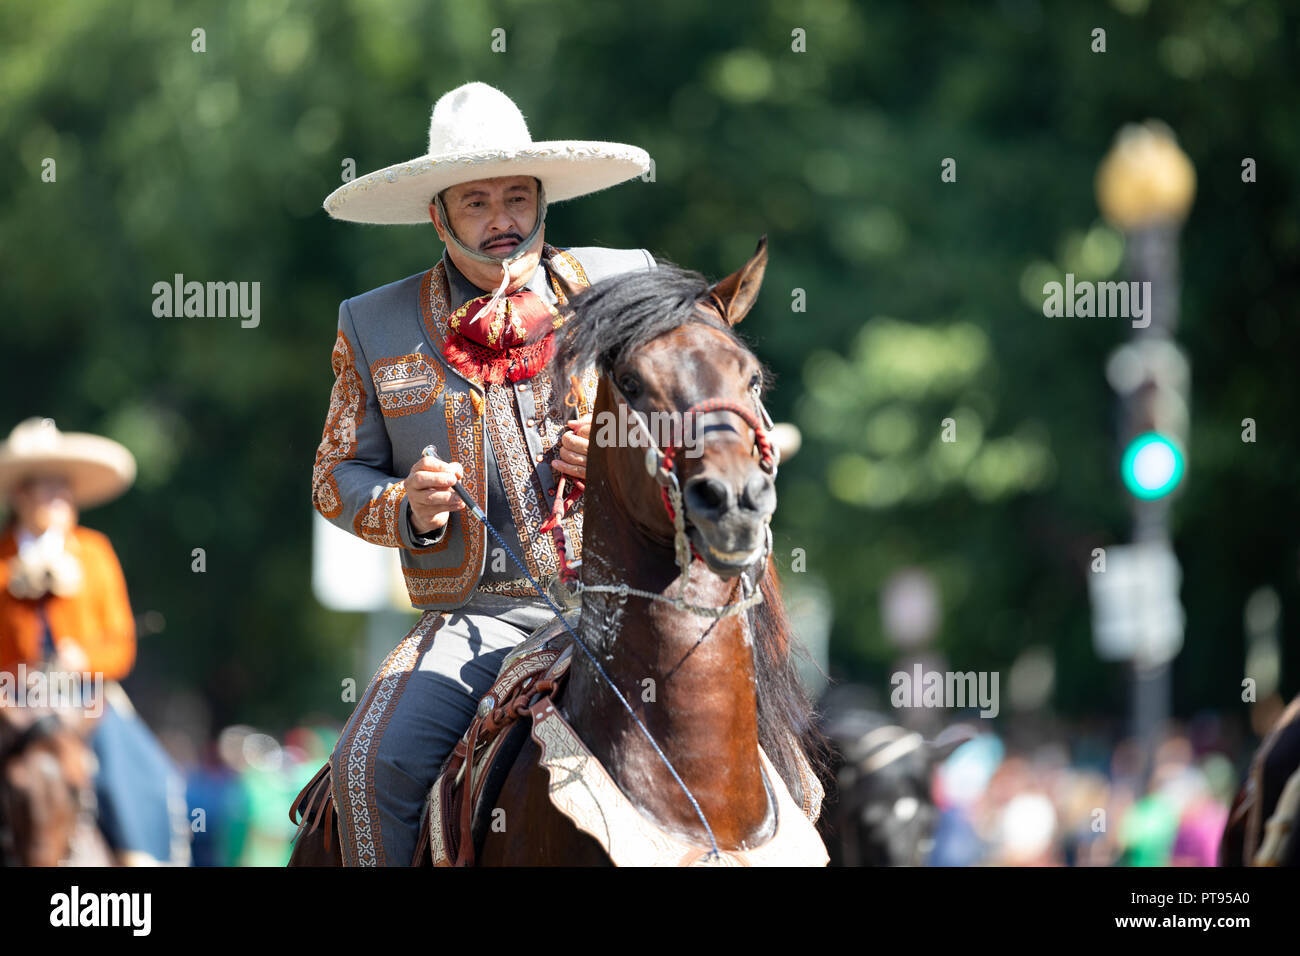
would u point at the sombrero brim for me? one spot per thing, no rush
(98, 469)
(400, 194)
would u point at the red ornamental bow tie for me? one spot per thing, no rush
(515, 319)
(507, 342)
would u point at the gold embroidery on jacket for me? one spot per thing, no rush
(406, 384)
(339, 441)
(465, 434)
(528, 506)
(377, 519)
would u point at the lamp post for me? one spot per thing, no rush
(1145, 186)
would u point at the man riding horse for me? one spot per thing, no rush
(65, 621)
(441, 377)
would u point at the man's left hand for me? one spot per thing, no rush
(572, 460)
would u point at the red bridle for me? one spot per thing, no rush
(666, 464)
(661, 465)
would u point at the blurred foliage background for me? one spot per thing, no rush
(923, 297)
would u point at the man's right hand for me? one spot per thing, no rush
(428, 489)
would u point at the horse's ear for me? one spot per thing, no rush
(734, 296)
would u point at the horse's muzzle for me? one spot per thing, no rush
(728, 520)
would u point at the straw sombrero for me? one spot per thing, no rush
(477, 132)
(98, 469)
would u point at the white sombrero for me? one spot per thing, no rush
(477, 132)
(98, 469)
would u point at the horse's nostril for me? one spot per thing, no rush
(758, 494)
(707, 495)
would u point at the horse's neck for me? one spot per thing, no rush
(689, 678)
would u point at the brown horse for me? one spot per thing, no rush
(664, 340)
(46, 791)
(709, 689)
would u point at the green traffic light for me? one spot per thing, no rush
(1152, 466)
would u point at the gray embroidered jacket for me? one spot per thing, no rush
(394, 393)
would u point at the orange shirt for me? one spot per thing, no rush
(97, 619)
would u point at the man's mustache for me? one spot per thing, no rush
(501, 238)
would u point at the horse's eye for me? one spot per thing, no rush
(756, 382)
(630, 385)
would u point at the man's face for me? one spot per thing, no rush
(492, 216)
(44, 501)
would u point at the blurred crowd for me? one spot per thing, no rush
(1084, 803)
(1076, 800)
(240, 789)
(998, 802)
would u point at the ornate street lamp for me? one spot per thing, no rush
(1145, 186)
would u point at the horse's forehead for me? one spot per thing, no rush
(694, 337)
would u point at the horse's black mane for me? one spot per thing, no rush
(606, 323)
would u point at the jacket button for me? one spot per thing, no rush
(523, 386)
(529, 423)
(539, 458)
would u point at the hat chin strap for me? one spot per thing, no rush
(486, 259)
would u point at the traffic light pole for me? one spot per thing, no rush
(1145, 186)
(1152, 255)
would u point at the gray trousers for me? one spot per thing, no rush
(416, 708)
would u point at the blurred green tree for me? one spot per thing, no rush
(921, 295)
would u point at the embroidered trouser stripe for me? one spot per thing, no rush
(354, 757)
